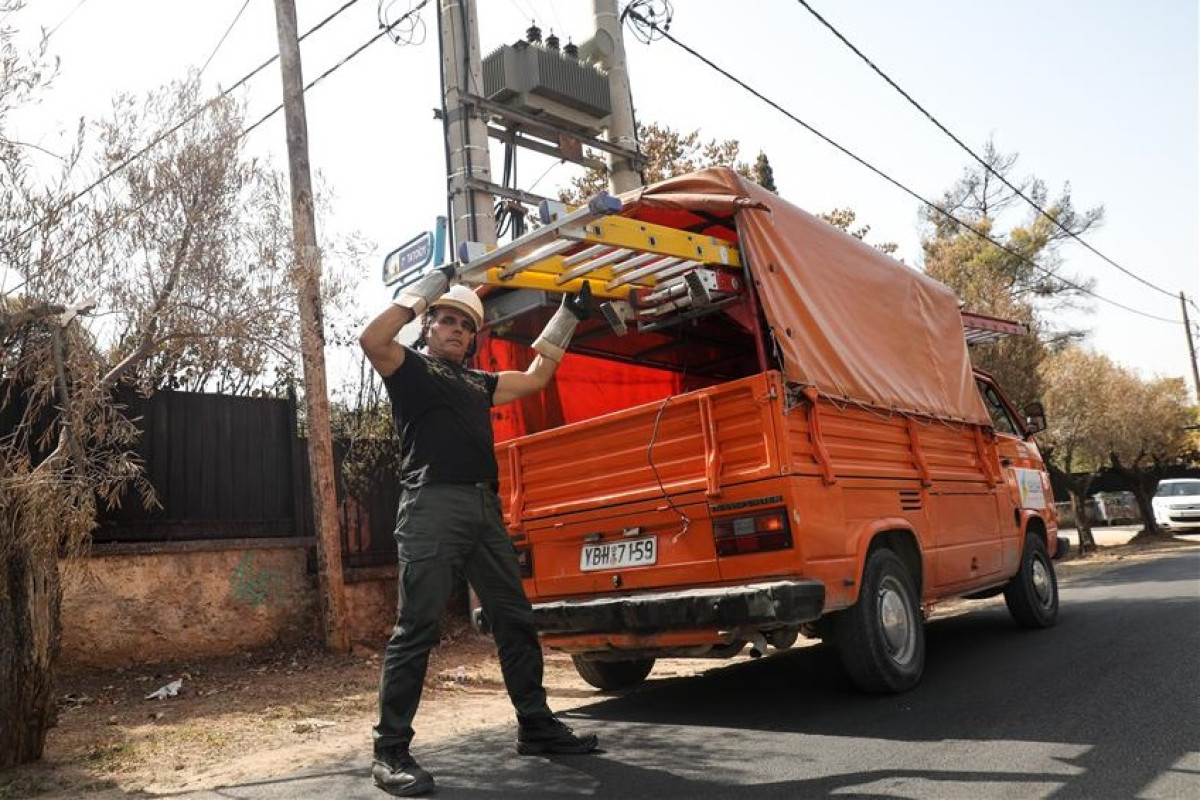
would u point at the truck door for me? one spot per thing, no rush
(1021, 466)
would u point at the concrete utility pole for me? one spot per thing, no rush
(474, 218)
(622, 177)
(1187, 331)
(312, 336)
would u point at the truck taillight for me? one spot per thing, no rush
(525, 561)
(752, 534)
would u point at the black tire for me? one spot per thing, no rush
(881, 638)
(1032, 594)
(609, 676)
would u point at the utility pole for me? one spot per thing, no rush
(474, 219)
(312, 336)
(1187, 331)
(622, 177)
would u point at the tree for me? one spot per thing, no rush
(183, 256)
(667, 153)
(1149, 435)
(1081, 394)
(1023, 280)
(1106, 417)
(199, 236)
(764, 176)
(843, 219)
(64, 447)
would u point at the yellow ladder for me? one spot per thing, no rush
(648, 272)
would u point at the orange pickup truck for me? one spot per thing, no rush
(789, 443)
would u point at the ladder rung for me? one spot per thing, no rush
(593, 265)
(586, 253)
(678, 269)
(652, 269)
(635, 262)
(540, 254)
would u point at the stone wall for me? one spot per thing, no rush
(142, 604)
(130, 604)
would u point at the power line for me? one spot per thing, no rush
(224, 36)
(661, 31)
(340, 64)
(63, 21)
(173, 129)
(972, 153)
(243, 134)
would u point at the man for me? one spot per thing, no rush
(449, 520)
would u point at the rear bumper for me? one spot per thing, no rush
(774, 603)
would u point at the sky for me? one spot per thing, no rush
(1098, 94)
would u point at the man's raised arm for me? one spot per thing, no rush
(551, 346)
(378, 339)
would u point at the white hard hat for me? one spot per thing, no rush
(461, 298)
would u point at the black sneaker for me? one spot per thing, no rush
(398, 773)
(537, 735)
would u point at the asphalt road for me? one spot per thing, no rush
(1106, 704)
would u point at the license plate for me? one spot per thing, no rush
(619, 554)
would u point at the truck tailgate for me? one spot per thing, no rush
(700, 440)
(636, 474)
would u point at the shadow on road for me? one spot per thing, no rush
(1103, 705)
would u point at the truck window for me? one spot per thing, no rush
(1002, 421)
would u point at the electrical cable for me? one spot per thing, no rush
(175, 128)
(972, 153)
(558, 163)
(63, 21)
(407, 35)
(245, 132)
(353, 54)
(224, 36)
(863, 162)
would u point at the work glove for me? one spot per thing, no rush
(430, 287)
(556, 336)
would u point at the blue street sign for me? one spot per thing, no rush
(408, 261)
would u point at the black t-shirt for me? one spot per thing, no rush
(442, 412)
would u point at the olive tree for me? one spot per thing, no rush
(1080, 399)
(175, 271)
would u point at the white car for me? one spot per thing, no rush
(1177, 503)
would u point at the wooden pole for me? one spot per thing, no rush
(307, 278)
(1187, 331)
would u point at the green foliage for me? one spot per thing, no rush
(1106, 417)
(1023, 281)
(668, 153)
(195, 258)
(764, 176)
(843, 219)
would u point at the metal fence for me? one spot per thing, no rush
(227, 467)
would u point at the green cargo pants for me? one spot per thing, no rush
(443, 529)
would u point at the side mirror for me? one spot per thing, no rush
(1035, 417)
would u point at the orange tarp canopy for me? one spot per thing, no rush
(853, 323)
(848, 320)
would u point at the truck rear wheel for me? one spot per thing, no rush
(609, 676)
(881, 638)
(1032, 594)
